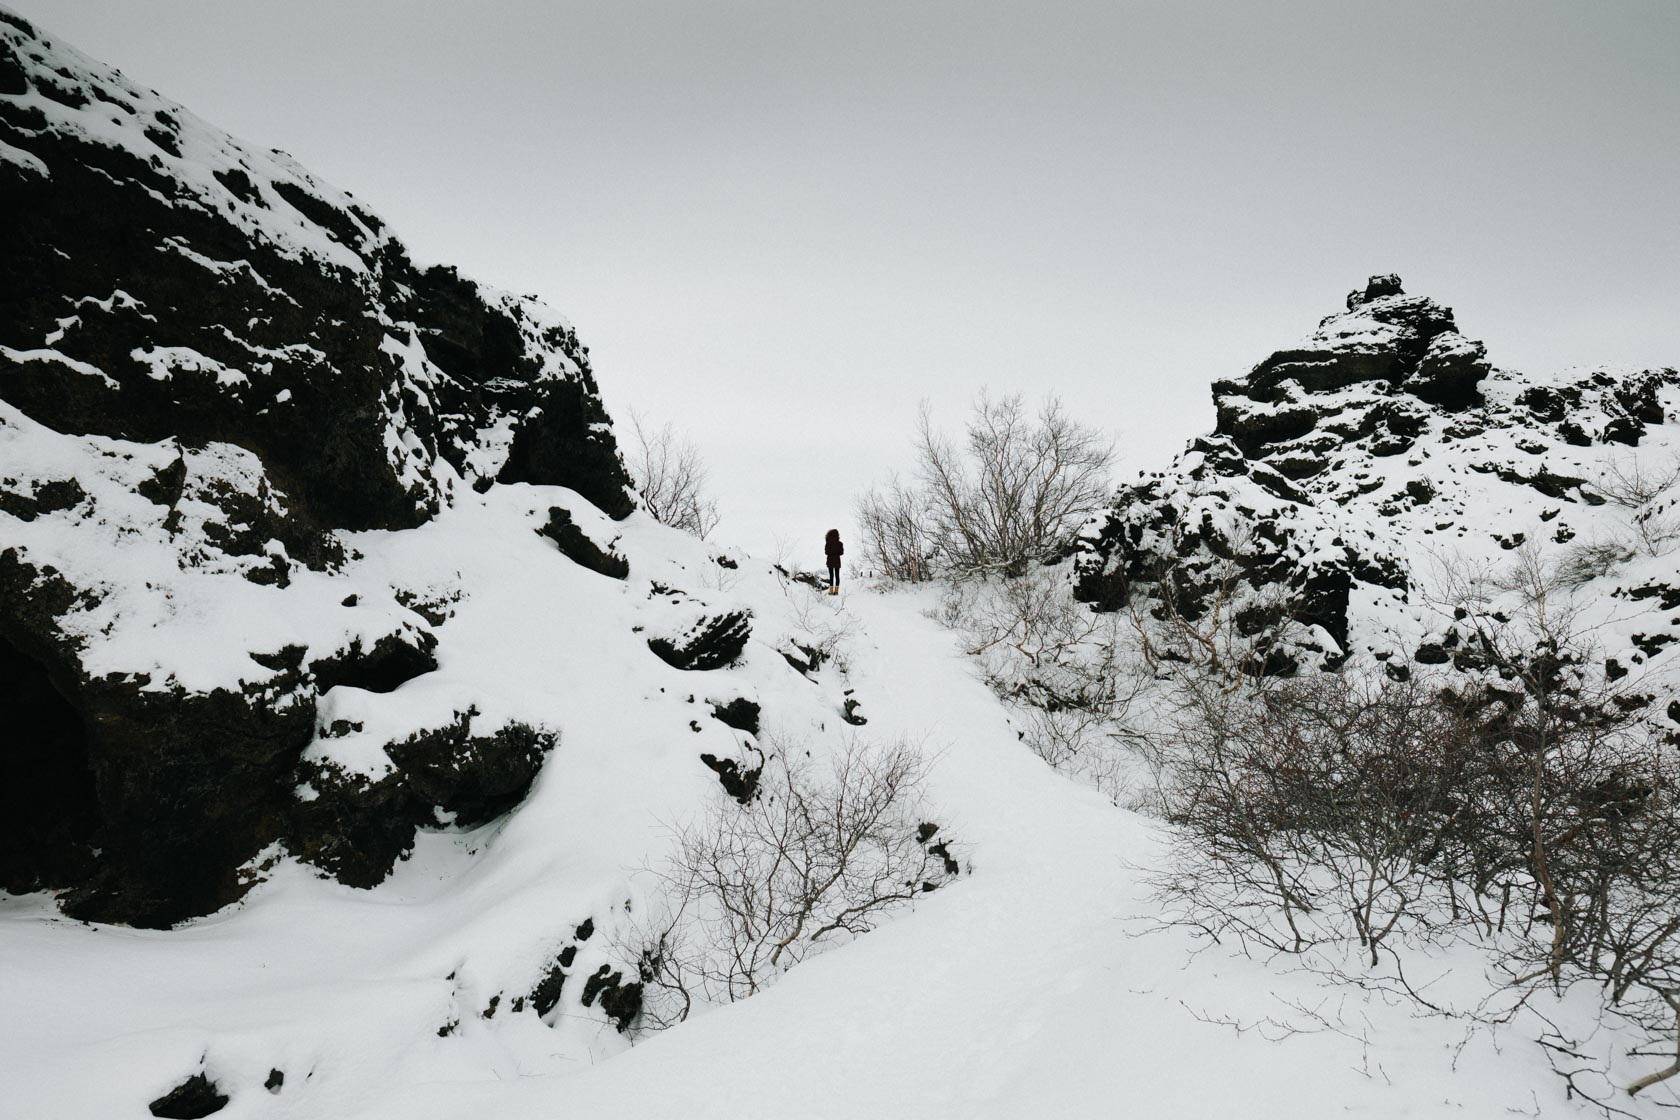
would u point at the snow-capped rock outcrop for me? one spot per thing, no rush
(1348, 472)
(212, 366)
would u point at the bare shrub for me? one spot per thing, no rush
(895, 524)
(1592, 560)
(812, 860)
(1522, 801)
(1020, 487)
(1069, 672)
(1011, 494)
(1311, 812)
(671, 478)
(1631, 481)
(1638, 485)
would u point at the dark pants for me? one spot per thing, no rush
(834, 575)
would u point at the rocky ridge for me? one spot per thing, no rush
(1353, 477)
(214, 368)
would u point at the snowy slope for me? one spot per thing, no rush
(314, 978)
(1035, 986)
(342, 657)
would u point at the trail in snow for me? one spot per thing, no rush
(1025, 989)
(1031, 987)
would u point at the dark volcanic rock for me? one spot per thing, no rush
(620, 1001)
(357, 828)
(1338, 468)
(351, 373)
(49, 806)
(1387, 344)
(740, 713)
(176, 823)
(243, 362)
(192, 1099)
(738, 780)
(576, 546)
(392, 661)
(714, 642)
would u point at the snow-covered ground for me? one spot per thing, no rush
(1036, 984)
(1039, 983)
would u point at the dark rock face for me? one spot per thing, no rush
(740, 713)
(1336, 469)
(350, 373)
(192, 1099)
(620, 1001)
(545, 997)
(714, 642)
(1405, 352)
(392, 661)
(576, 546)
(49, 807)
(737, 779)
(234, 361)
(176, 825)
(357, 828)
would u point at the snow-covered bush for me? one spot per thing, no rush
(1319, 810)
(1647, 489)
(813, 859)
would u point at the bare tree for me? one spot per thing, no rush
(1018, 488)
(1013, 493)
(752, 889)
(895, 524)
(671, 478)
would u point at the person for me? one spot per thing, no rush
(833, 548)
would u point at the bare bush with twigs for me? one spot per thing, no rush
(894, 521)
(1650, 493)
(1070, 673)
(1521, 802)
(671, 478)
(1011, 493)
(813, 860)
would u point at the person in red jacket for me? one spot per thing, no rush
(833, 548)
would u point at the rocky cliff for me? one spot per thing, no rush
(214, 366)
(1358, 481)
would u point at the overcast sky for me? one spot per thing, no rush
(781, 224)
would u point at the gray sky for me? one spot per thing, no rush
(782, 224)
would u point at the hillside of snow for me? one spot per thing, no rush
(356, 710)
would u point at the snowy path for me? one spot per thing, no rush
(1019, 992)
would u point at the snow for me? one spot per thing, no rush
(17, 157)
(74, 365)
(164, 362)
(1041, 983)
(1032, 986)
